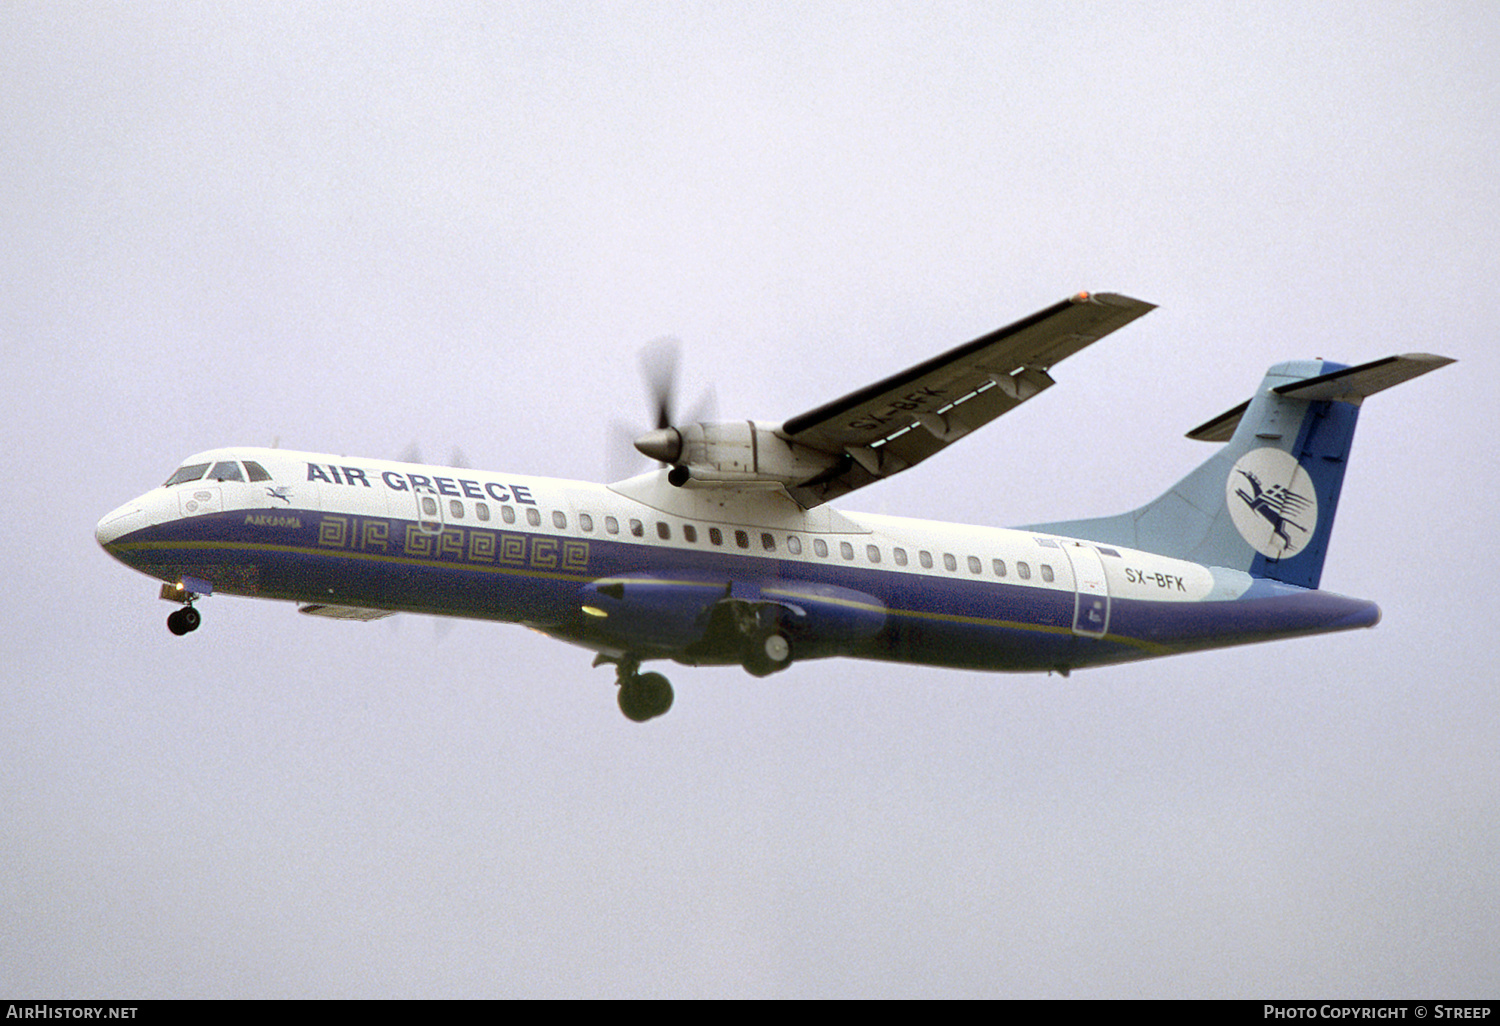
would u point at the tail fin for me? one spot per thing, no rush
(1265, 502)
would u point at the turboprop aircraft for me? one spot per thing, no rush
(729, 554)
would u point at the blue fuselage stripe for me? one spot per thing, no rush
(514, 575)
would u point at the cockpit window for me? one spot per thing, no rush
(255, 471)
(189, 473)
(226, 471)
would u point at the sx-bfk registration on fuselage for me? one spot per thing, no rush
(729, 554)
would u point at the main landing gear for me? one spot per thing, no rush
(767, 652)
(643, 696)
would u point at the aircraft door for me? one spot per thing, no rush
(429, 512)
(1091, 590)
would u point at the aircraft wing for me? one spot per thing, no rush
(896, 423)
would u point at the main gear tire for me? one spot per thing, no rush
(645, 696)
(768, 653)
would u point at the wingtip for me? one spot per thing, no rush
(1434, 360)
(1111, 299)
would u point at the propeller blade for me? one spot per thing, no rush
(413, 454)
(707, 409)
(621, 460)
(659, 366)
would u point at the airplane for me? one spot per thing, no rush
(729, 554)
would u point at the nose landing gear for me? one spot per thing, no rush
(184, 621)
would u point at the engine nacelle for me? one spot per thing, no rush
(738, 452)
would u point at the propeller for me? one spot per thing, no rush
(413, 454)
(659, 361)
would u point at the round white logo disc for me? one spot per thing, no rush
(1272, 502)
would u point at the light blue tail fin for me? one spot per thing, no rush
(1265, 502)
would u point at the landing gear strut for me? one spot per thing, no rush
(643, 696)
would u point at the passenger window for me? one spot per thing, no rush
(507, 514)
(1023, 571)
(742, 539)
(900, 555)
(1047, 572)
(611, 525)
(559, 520)
(768, 542)
(975, 566)
(873, 552)
(456, 509)
(534, 517)
(226, 471)
(716, 536)
(794, 544)
(999, 566)
(689, 532)
(637, 529)
(846, 550)
(255, 471)
(949, 563)
(925, 558)
(185, 474)
(482, 511)
(820, 548)
(663, 531)
(429, 505)
(585, 522)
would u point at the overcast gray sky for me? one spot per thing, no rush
(348, 227)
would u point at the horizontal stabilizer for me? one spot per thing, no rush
(1350, 385)
(1221, 428)
(1353, 384)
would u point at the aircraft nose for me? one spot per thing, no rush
(118, 523)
